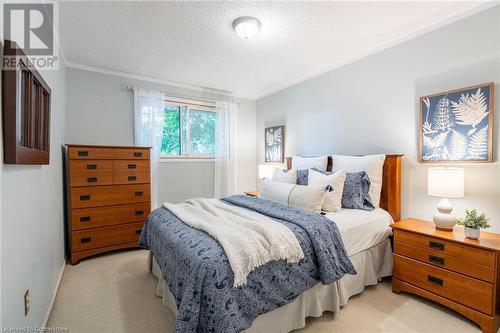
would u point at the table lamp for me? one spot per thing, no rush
(445, 183)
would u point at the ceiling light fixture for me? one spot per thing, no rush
(246, 27)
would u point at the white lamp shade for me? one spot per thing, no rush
(266, 171)
(446, 182)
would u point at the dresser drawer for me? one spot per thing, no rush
(132, 178)
(102, 237)
(473, 254)
(456, 287)
(87, 218)
(90, 172)
(459, 265)
(131, 172)
(124, 166)
(84, 197)
(90, 153)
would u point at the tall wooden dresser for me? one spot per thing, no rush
(108, 197)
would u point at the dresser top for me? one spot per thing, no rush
(103, 146)
(487, 240)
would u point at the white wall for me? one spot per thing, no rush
(100, 111)
(32, 223)
(371, 106)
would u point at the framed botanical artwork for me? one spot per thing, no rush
(275, 144)
(457, 125)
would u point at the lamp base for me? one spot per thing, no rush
(444, 220)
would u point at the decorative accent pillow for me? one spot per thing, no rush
(334, 181)
(285, 176)
(305, 197)
(302, 177)
(355, 194)
(303, 163)
(373, 165)
(275, 191)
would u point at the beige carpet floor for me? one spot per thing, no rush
(116, 293)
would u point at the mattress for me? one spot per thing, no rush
(361, 229)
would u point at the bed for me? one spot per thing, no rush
(366, 239)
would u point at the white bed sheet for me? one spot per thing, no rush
(361, 229)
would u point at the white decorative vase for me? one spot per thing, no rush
(471, 233)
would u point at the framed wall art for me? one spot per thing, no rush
(275, 144)
(457, 125)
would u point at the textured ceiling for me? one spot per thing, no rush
(193, 42)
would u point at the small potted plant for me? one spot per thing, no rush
(473, 222)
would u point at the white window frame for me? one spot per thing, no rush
(189, 104)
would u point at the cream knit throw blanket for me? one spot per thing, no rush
(249, 239)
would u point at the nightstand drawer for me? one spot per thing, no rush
(479, 271)
(473, 254)
(456, 287)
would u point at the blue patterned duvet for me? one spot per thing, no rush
(199, 276)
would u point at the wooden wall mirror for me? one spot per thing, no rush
(25, 110)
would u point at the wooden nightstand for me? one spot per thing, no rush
(447, 268)
(253, 193)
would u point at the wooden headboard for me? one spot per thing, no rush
(390, 197)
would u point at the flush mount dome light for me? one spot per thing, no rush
(246, 27)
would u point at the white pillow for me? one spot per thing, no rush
(298, 196)
(373, 165)
(289, 177)
(275, 191)
(303, 163)
(333, 199)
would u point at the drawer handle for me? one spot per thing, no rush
(91, 166)
(139, 212)
(435, 280)
(436, 260)
(138, 232)
(139, 194)
(92, 180)
(86, 240)
(131, 166)
(137, 154)
(132, 178)
(436, 245)
(85, 197)
(85, 219)
(83, 153)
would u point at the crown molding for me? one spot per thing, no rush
(482, 6)
(156, 80)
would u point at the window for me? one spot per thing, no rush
(188, 131)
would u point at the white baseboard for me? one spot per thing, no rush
(56, 289)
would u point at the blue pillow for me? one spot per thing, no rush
(303, 177)
(355, 194)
